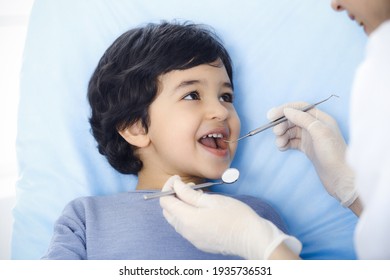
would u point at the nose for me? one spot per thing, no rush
(217, 110)
(336, 6)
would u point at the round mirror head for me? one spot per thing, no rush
(230, 175)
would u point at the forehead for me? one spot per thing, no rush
(202, 74)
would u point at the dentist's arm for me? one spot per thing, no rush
(316, 134)
(220, 224)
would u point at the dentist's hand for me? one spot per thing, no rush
(316, 134)
(220, 224)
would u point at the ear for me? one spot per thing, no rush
(135, 135)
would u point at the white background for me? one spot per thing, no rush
(14, 16)
(281, 270)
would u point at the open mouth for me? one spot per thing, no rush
(214, 141)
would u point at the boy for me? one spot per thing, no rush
(162, 104)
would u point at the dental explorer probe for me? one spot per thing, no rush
(229, 176)
(278, 121)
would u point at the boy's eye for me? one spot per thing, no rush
(192, 96)
(227, 97)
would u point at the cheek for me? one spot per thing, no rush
(235, 128)
(171, 126)
(235, 124)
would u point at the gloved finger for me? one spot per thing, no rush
(282, 143)
(186, 193)
(277, 112)
(291, 133)
(176, 214)
(191, 184)
(281, 128)
(302, 119)
(291, 139)
(169, 183)
(170, 202)
(291, 144)
(298, 117)
(174, 207)
(324, 117)
(169, 217)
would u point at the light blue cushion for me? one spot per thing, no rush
(284, 50)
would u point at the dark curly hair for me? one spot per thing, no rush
(125, 81)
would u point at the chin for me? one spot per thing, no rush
(216, 173)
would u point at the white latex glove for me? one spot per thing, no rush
(316, 134)
(220, 224)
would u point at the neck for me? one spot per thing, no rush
(150, 181)
(150, 178)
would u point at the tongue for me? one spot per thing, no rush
(214, 143)
(222, 144)
(209, 142)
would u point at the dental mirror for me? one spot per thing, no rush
(229, 176)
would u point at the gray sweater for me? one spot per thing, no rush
(125, 226)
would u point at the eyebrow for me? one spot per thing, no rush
(192, 82)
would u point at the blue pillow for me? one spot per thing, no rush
(286, 50)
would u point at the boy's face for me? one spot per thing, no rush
(367, 13)
(191, 115)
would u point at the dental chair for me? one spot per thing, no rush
(282, 51)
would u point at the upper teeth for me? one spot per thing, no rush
(215, 135)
